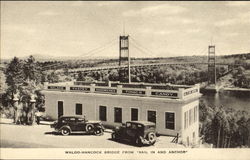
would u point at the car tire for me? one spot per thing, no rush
(65, 131)
(138, 142)
(151, 138)
(98, 132)
(114, 136)
(89, 127)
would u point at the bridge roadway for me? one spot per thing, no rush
(139, 66)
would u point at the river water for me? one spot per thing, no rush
(239, 100)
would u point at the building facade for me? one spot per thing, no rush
(173, 108)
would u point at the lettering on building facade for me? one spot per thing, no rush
(167, 94)
(57, 87)
(79, 89)
(190, 92)
(106, 90)
(133, 92)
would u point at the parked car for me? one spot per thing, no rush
(138, 132)
(43, 118)
(74, 124)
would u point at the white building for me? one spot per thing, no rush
(174, 108)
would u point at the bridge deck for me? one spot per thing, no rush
(138, 66)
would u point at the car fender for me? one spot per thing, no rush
(100, 127)
(65, 127)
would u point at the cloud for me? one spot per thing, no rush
(193, 30)
(156, 32)
(163, 32)
(241, 18)
(233, 34)
(238, 3)
(77, 3)
(109, 3)
(245, 15)
(178, 20)
(226, 22)
(157, 10)
(19, 28)
(244, 18)
(96, 3)
(48, 13)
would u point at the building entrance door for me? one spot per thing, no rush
(60, 108)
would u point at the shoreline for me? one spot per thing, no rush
(224, 89)
(235, 89)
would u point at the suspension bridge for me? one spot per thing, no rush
(124, 59)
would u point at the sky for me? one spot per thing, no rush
(156, 28)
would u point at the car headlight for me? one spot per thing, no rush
(117, 128)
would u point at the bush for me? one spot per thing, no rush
(7, 112)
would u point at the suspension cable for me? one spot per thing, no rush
(98, 48)
(141, 46)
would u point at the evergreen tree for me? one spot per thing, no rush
(14, 75)
(31, 70)
(224, 128)
(22, 78)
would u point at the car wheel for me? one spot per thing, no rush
(138, 142)
(151, 138)
(98, 132)
(65, 131)
(114, 136)
(89, 127)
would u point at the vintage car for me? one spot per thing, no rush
(138, 132)
(74, 124)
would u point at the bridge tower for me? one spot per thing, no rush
(124, 58)
(211, 65)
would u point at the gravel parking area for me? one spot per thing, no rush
(42, 136)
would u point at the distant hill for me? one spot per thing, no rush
(43, 58)
(241, 55)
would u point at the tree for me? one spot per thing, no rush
(14, 75)
(66, 70)
(40, 100)
(22, 78)
(225, 128)
(32, 72)
(53, 77)
(3, 85)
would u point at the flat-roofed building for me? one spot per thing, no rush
(174, 108)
